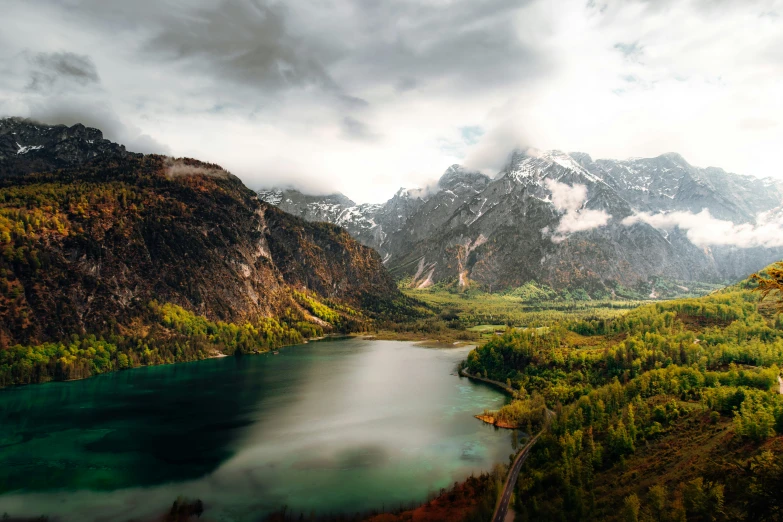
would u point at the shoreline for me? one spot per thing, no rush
(489, 419)
(436, 343)
(451, 336)
(427, 341)
(502, 386)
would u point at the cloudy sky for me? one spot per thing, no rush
(365, 96)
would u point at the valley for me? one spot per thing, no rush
(116, 265)
(383, 261)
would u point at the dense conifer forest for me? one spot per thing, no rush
(668, 412)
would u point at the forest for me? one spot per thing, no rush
(175, 335)
(668, 412)
(121, 262)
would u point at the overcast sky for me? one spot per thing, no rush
(365, 96)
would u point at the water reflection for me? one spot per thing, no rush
(326, 427)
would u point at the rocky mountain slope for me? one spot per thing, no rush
(505, 231)
(27, 146)
(90, 235)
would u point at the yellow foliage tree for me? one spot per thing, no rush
(771, 282)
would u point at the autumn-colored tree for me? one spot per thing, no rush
(771, 282)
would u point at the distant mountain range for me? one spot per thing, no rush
(91, 234)
(534, 222)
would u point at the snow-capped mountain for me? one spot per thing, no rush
(554, 217)
(359, 220)
(668, 182)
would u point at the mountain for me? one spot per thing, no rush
(96, 240)
(668, 183)
(333, 208)
(505, 231)
(27, 146)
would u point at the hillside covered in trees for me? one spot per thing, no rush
(669, 412)
(110, 260)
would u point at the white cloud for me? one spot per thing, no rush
(700, 81)
(704, 230)
(268, 91)
(576, 218)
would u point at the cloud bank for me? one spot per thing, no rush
(379, 97)
(571, 200)
(704, 230)
(50, 68)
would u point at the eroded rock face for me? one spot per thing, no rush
(110, 232)
(501, 232)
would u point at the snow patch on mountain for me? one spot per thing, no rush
(24, 149)
(532, 166)
(273, 197)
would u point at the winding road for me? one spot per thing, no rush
(505, 497)
(508, 488)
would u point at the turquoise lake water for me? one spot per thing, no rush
(328, 427)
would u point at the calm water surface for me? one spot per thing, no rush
(330, 427)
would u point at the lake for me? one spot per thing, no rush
(329, 427)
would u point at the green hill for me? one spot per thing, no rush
(669, 412)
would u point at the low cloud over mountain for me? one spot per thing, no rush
(571, 200)
(702, 229)
(566, 219)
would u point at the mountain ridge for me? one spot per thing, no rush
(506, 230)
(90, 234)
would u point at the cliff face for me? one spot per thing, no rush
(89, 240)
(325, 259)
